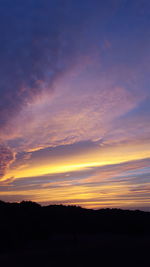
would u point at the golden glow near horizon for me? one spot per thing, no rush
(96, 158)
(99, 189)
(95, 191)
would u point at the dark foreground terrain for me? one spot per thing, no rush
(31, 235)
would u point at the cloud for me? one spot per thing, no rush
(7, 156)
(32, 53)
(41, 41)
(128, 173)
(71, 115)
(123, 185)
(49, 62)
(54, 88)
(74, 72)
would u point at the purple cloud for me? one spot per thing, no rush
(7, 156)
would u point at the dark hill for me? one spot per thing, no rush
(27, 227)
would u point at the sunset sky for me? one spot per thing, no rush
(75, 102)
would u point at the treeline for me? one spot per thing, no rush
(27, 222)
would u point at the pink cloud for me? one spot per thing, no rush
(7, 156)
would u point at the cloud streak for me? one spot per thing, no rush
(120, 185)
(7, 157)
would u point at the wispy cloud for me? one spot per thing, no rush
(121, 185)
(74, 101)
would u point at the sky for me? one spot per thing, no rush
(75, 102)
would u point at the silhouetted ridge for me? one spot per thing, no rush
(27, 222)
